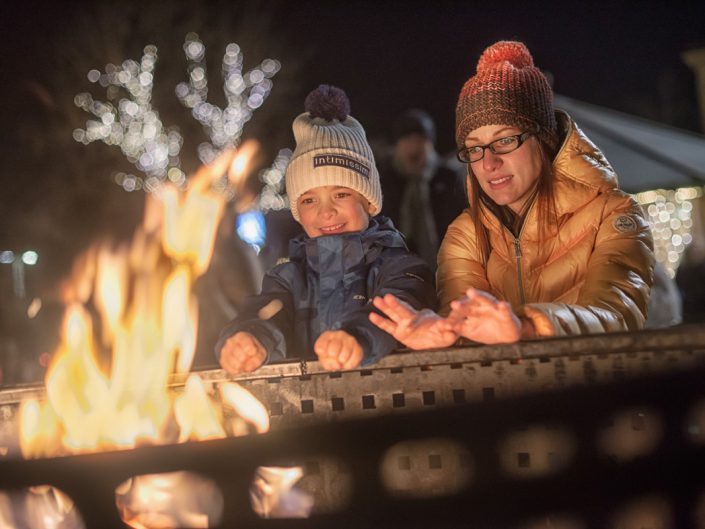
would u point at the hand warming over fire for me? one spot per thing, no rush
(338, 350)
(417, 329)
(242, 353)
(481, 317)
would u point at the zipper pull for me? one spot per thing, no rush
(517, 247)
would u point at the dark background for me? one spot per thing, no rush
(391, 55)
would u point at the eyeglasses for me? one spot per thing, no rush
(499, 146)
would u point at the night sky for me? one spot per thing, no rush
(390, 56)
(624, 55)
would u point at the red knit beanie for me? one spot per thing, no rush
(507, 90)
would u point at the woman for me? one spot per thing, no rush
(549, 245)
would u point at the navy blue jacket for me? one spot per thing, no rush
(328, 284)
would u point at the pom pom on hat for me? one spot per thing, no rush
(327, 102)
(515, 53)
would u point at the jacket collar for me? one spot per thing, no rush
(346, 250)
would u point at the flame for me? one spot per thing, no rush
(238, 166)
(194, 413)
(110, 293)
(107, 385)
(246, 406)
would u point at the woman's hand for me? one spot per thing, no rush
(481, 317)
(416, 329)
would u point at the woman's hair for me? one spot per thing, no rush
(544, 197)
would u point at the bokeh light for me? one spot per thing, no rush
(272, 196)
(251, 228)
(7, 256)
(128, 120)
(669, 214)
(30, 257)
(243, 92)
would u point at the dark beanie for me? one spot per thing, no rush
(507, 90)
(415, 121)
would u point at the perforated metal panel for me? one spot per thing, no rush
(304, 395)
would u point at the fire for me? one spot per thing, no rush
(107, 386)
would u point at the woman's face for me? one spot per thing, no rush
(507, 179)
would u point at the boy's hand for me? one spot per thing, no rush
(338, 350)
(242, 353)
(416, 329)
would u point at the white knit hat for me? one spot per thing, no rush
(331, 150)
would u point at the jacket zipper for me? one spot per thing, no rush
(517, 252)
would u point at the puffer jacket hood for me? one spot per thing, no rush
(581, 170)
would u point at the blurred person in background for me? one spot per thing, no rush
(665, 303)
(235, 272)
(281, 228)
(690, 278)
(422, 195)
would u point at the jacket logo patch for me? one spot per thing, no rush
(624, 223)
(339, 160)
(359, 297)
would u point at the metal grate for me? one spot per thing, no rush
(558, 426)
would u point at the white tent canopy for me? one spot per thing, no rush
(645, 154)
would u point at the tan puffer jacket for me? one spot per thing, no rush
(591, 273)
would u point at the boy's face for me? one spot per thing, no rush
(330, 210)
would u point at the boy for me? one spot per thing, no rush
(319, 301)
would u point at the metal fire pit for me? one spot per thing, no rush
(387, 446)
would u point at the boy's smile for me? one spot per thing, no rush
(331, 210)
(337, 228)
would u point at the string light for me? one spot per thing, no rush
(244, 93)
(669, 213)
(272, 196)
(128, 120)
(251, 225)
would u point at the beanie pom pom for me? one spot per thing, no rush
(328, 102)
(516, 53)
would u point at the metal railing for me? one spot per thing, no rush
(580, 431)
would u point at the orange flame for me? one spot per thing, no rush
(107, 384)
